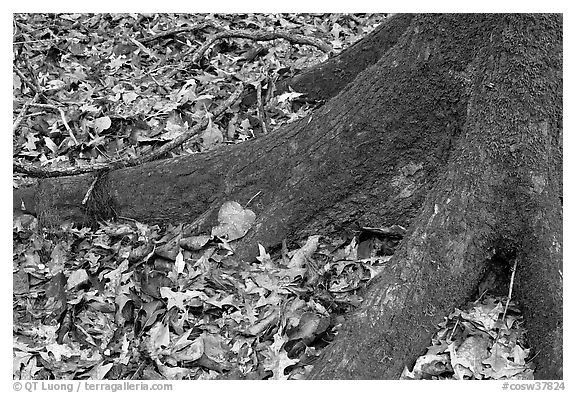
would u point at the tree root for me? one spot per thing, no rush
(260, 36)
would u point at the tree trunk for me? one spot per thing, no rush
(500, 194)
(456, 132)
(327, 79)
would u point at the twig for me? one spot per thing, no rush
(23, 111)
(34, 78)
(270, 92)
(454, 330)
(260, 108)
(173, 72)
(89, 191)
(35, 171)
(140, 367)
(260, 36)
(180, 139)
(510, 288)
(532, 358)
(33, 114)
(247, 203)
(175, 31)
(31, 85)
(34, 41)
(62, 116)
(143, 48)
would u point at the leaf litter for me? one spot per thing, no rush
(132, 301)
(121, 85)
(477, 343)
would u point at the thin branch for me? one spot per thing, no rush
(180, 139)
(35, 171)
(260, 108)
(510, 288)
(247, 203)
(271, 90)
(23, 112)
(89, 192)
(34, 78)
(23, 78)
(175, 31)
(34, 41)
(34, 114)
(62, 116)
(260, 36)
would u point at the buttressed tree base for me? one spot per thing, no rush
(450, 125)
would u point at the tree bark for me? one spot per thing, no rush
(499, 194)
(455, 131)
(327, 79)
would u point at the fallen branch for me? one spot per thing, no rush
(175, 31)
(260, 36)
(260, 108)
(180, 139)
(35, 171)
(34, 41)
(23, 111)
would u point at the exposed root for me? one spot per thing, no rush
(176, 31)
(260, 36)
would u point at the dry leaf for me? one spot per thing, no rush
(299, 258)
(234, 221)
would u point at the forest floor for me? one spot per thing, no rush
(126, 300)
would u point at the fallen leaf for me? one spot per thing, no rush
(100, 371)
(77, 278)
(51, 145)
(179, 263)
(310, 326)
(299, 258)
(288, 96)
(277, 359)
(234, 221)
(57, 259)
(174, 373)
(194, 243)
(430, 365)
(467, 360)
(192, 352)
(212, 136)
(263, 256)
(21, 283)
(159, 337)
(102, 123)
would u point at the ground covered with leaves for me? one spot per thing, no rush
(117, 86)
(125, 300)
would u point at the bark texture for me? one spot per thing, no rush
(327, 79)
(455, 130)
(500, 194)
